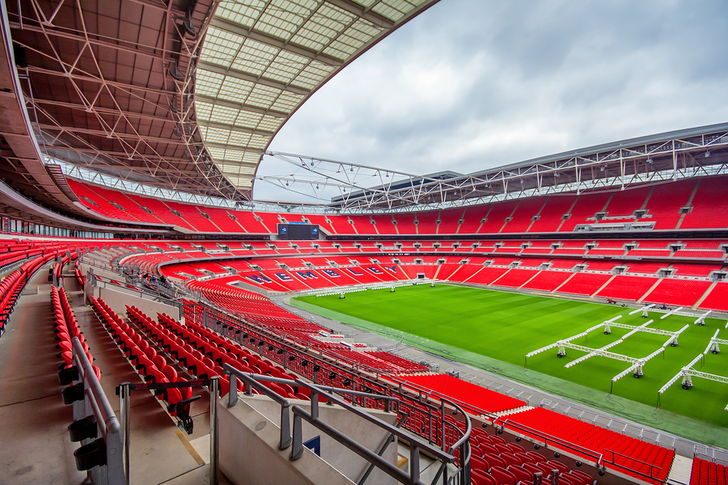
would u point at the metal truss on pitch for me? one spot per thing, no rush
(637, 364)
(688, 372)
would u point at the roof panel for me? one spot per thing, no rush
(262, 59)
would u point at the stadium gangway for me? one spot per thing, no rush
(293, 436)
(124, 391)
(101, 458)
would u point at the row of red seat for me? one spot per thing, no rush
(475, 398)
(661, 204)
(706, 472)
(12, 285)
(653, 462)
(66, 328)
(495, 462)
(151, 365)
(651, 289)
(203, 352)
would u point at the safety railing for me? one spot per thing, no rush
(125, 390)
(292, 436)
(319, 368)
(609, 458)
(101, 457)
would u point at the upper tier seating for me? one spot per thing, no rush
(660, 204)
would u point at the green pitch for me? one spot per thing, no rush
(494, 330)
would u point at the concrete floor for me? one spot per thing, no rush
(33, 419)
(36, 448)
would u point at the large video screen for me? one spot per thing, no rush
(293, 232)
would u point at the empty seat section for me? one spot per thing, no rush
(666, 201)
(516, 277)
(547, 280)
(449, 221)
(657, 459)
(710, 205)
(587, 205)
(496, 218)
(487, 275)
(406, 223)
(383, 225)
(322, 221)
(705, 472)
(688, 269)
(472, 395)
(717, 299)
(524, 215)
(269, 221)
(552, 214)
(625, 202)
(427, 222)
(472, 218)
(584, 283)
(677, 292)
(627, 287)
(223, 219)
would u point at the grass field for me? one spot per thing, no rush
(463, 323)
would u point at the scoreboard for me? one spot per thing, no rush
(293, 232)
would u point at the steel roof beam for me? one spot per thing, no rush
(271, 83)
(109, 134)
(277, 42)
(235, 128)
(241, 106)
(356, 9)
(92, 79)
(106, 111)
(131, 49)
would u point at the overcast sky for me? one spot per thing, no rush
(472, 84)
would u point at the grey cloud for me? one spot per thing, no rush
(474, 83)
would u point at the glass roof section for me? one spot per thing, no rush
(261, 59)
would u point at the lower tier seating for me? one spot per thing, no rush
(652, 462)
(706, 472)
(468, 394)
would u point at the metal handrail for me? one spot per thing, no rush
(107, 422)
(327, 392)
(100, 402)
(612, 462)
(546, 438)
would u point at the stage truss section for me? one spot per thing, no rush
(688, 372)
(637, 363)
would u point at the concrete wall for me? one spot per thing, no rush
(119, 298)
(249, 454)
(341, 458)
(249, 438)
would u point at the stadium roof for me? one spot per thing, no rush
(262, 59)
(178, 94)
